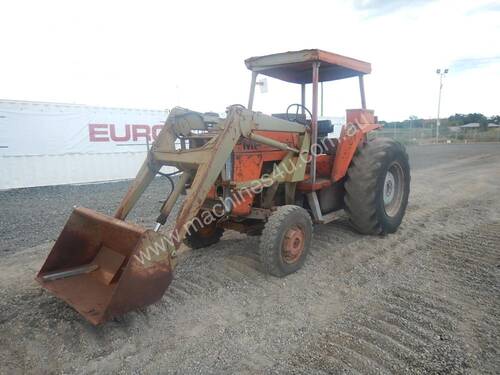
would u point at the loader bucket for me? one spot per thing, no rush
(104, 267)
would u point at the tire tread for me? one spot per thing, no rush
(361, 184)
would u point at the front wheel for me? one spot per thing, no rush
(285, 240)
(378, 186)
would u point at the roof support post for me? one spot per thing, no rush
(303, 97)
(252, 90)
(321, 99)
(362, 91)
(314, 120)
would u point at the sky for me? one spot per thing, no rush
(158, 54)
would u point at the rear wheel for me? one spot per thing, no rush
(285, 240)
(377, 187)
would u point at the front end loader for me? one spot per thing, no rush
(272, 176)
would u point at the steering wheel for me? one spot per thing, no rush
(296, 118)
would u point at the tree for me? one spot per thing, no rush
(483, 124)
(495, 119)
(456, 120)
(475, 117)
(459, 119)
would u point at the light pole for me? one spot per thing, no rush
(441, 73)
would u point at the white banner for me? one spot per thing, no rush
(32, 128)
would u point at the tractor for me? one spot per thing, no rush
(275, 176)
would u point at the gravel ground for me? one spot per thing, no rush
(423, 300)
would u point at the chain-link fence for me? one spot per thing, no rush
(407, 135)
(428, 135)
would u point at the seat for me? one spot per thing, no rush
(324, 127)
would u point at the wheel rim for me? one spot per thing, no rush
(393, 189)
(207, 231)
(293, 244)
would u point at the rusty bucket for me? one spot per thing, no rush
(104, 267)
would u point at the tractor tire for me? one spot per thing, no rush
(285, 240)
(377, 187)
(203, 237)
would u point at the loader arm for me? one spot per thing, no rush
(202, 165)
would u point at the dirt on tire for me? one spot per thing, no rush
(422, 300)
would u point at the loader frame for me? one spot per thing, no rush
(200, 167)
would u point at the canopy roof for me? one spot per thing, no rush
(296, 66)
